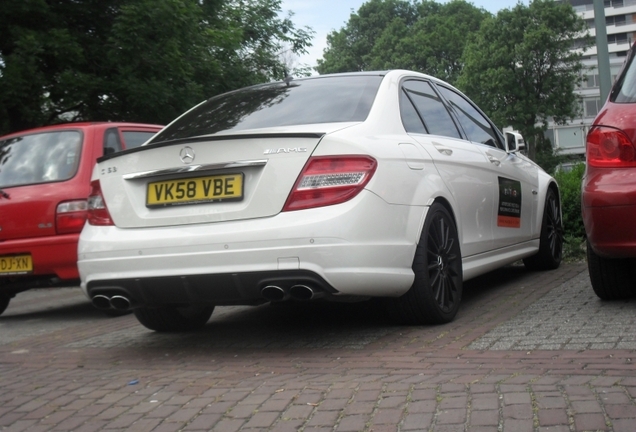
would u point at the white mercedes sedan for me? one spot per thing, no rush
(333, 188)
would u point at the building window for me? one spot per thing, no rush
(592, 81)
(592, 107)
(617, 38)
(571, 137)
(613, 3)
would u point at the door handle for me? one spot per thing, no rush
(443, 150)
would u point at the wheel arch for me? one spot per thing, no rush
(447, 204)
(546, 183)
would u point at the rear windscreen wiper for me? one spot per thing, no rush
(4, 194)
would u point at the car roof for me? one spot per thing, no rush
(78, 125)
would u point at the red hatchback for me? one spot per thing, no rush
(609, 190)
(44, 183)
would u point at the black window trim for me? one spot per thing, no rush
(498, 133)
(460, 130)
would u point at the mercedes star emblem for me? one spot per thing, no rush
(187, 155)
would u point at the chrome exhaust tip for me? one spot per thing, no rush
(120, 303)
(274, 293)
(101, 302)
(304, 293)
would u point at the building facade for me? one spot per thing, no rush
(620, 22)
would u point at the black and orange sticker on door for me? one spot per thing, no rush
(509, 211)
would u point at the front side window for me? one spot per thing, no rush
(432, 110)
(300, 102)
(476, 126)
(39, 158)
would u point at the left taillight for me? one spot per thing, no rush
(329, 180)
(97, 211)
(610, 148)
(70, 216)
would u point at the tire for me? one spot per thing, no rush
(174, 319)
(551, 241)
(4, 302)
(612, 279)
(436, 292)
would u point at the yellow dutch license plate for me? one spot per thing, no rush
(195, 190)
(16, 264)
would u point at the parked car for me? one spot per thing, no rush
(44, 184)
(336, 187)
(608, 190)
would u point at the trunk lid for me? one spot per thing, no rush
(205, 179)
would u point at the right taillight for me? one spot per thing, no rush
(329, 180)
(610, 148)
(97, 211)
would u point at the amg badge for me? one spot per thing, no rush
(286, 150)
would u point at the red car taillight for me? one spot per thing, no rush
(97, 211)
(328, 180)
(70, 216)
(610, 148)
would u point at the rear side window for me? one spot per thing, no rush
(410, 118)
(432, 110)
(112, 142)
(39, 158)
(136, 138)
(299, 102)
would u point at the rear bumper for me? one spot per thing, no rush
(54, 261)
(609, 212)
(611, 231)
(218, 289)
(364, 247)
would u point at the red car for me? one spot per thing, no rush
(609, 190)
(44, 183)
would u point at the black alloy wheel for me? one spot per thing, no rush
(436, 293)
(551, 241)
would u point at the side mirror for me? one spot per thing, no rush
(514, 142)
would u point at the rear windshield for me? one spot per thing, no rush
(39, 158)
(304, 101)
(625, 89)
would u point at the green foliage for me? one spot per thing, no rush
(545, 156)
(134, 60)
(399, 34)
(570, 187)
(520, 68)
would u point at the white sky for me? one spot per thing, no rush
(324, 16)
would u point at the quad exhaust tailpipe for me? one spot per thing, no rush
(101, 302)
(120, 303)
(274, 293)
(304, 293)
(298, 292)
(117, 302)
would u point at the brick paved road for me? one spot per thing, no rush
(527, 352)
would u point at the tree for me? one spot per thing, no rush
(521, 70)
(134, 60)
(424, 36)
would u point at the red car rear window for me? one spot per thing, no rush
(624, 90)
(39, 158)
